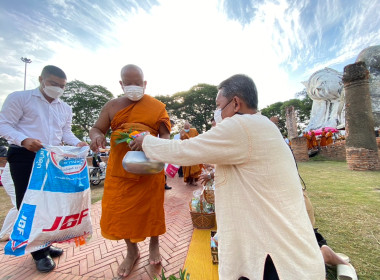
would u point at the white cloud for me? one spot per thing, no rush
(181, 43)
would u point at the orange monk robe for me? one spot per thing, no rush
(133, 205)
(308, 137)
(193, 171)
(323, 139)
(329, 138)
(314, 142)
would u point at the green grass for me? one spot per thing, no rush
(346, 205)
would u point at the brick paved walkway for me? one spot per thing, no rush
(100, 258)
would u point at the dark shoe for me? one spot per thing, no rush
(55, 252)
(45, 264)
(167, 187)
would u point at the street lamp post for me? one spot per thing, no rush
(26, 60)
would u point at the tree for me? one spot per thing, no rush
(86, 102)
(302, 106)
(275, 110)
(196, 105)
(3, 142)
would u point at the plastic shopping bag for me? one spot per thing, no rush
(171, 169)
(56, 205)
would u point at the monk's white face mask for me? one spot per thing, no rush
(134, 93)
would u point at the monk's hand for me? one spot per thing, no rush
(82, 144)
(136, 145)
(98, 142)
(32, 144)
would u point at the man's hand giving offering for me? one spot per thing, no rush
(136, 144)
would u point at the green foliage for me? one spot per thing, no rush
(86, 102)
(196, 105)
(128, 136)
(302, 106)
(274, 110)
(182, 276)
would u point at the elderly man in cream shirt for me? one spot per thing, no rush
(263, 228)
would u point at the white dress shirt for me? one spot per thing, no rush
(27, 114)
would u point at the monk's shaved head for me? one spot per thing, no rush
(187, 125)
(132, 75)
(131, 67)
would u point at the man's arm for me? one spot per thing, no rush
(228, 141)
(10, 115)
(68, 136)
(100, 128)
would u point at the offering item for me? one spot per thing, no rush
(136, 162)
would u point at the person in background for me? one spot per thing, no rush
(177, 136)
(329, 137)
(308, 138)
(286, 140)
(11, 217)
(132, 204)
(96, 159)
(263, 228)
(190, 173)
(28, 120)
(314, 142)
(323, 141)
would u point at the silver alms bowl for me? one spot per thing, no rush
(136, 162)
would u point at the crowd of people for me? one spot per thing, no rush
(317, 141)
(264, 229)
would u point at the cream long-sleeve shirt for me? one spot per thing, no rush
(260, 209)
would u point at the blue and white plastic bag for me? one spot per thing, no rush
(56, 205)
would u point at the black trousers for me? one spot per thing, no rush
(180, 172)
(270, 272)
(20, 164)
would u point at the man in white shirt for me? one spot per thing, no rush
(28, 120)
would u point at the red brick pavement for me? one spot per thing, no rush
(100, 258)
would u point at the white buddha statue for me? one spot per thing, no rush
(325, 88)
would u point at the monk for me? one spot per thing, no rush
(314, 142)
(308, 138)
(329, 137)
(132, 205)
(323, 142)
(190, 173)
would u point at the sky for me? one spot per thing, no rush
(181, 43)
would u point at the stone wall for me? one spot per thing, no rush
(336, 151)
(362, 159)
(299, 148)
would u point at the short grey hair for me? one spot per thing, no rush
(241, 86)
(53, 70)
(130, 66)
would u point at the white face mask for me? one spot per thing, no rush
(218, 116)
(134, 93)
(53, 92)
